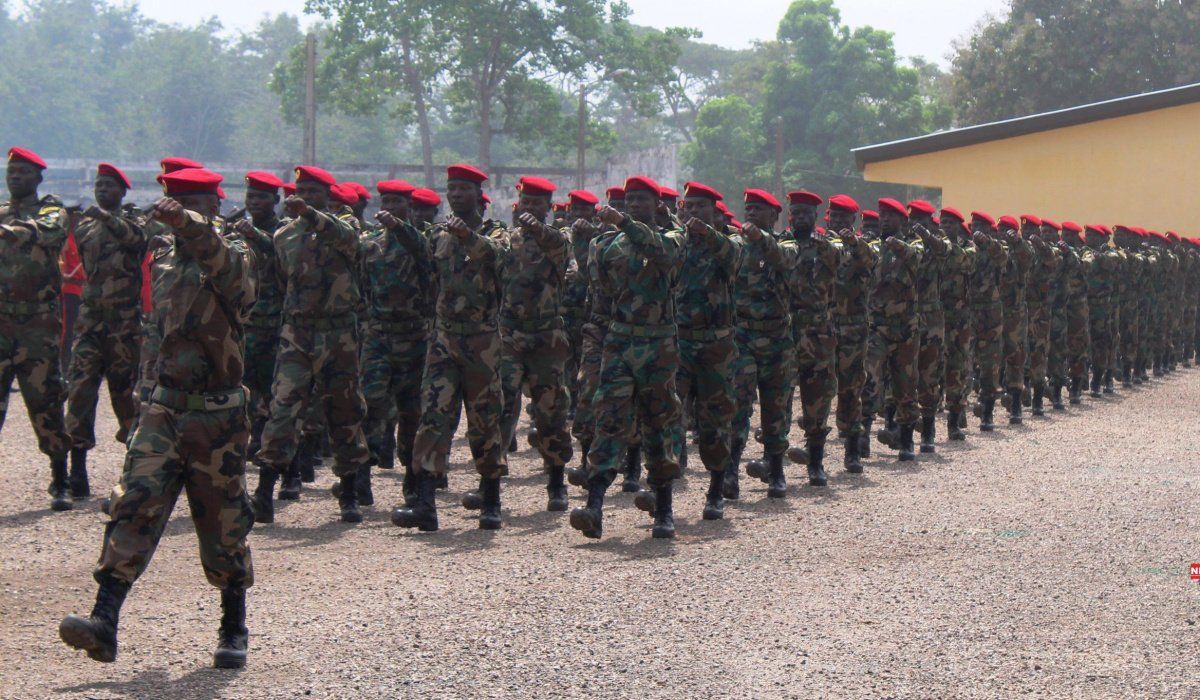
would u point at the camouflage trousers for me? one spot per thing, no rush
(103, 350)
(705, 384)
(29, 351)
(262, 344)
(1016, 336)
(316, 369)
(960, 339)
(537, 359)
(1129, 333)
(851, 375)
(1114, 334)
(392, 366)
(170, 451)
(637, 391)
(816, 377)
(763, 372)
(573, 325)
(1146, 312)
(1039, 344)
(931, 362)
(989, 347)
(1100, 331)
(591, 352)
(462, 371)
(892, 362)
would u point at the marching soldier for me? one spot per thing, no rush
(931, 366)
(425, 207)
(1038, 291)
(851, 309)
(957, 272)
(1103, 263)
(987, 313)
(1016, 316)
(581, 206)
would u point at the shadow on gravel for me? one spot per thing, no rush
(27, 517)
(201, 683)
(534, 523)
(461, 537)
(631, 549)
(291, 537)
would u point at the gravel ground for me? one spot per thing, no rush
(1049, 559)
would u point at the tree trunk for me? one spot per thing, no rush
(485, 131)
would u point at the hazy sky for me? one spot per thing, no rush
(922, 27)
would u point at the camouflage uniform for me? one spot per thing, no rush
(637, 271)
(192, 435)
(707, 349)
(397, 277)
(1067, 360)
(575, 312)
(988, 314)
(262, 327)
(108, 329)
(851, 299)
(318, 344)
(931, 363)
(464, 352)
(816, 262)
(1132, 276)
(1102, 267)
(1016, 315)
(32, 235)
(957, 274)
(535, 346)
(892, 346)
(1038, 292)
(592, 347)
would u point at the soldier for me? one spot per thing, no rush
(1103, 262)
(931, 365)
(33, 231)
(1131, 276)
(616, 198)
(461, 366)
(870, 224)
(192, 434)
(957, 272)
(1077, 312)
(987, 313)
(895, 327)
(535, 348)
(1016, 316)
(765, 365)
(426, 205)
(262, 327)
(851, 299)
(362, 200)
(638, 270)
(107, 332)
(317, 363)
(397, 276)
(1039, 288)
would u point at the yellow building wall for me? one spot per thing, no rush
(1140, 170)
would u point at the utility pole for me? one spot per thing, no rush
(310, 98)
(580, 136)
(779, 157)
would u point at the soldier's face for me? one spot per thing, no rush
(203, 204)
(580, 210)
(463, 198)
(537, 205)
(618, 204)
(700, 208)
(841, 219)
(424, 215)
(672, 204)
(314, 194)
(890, 221)
(761, 215)
(1095, 240)
(108, 192)
(802, 217)
(23, 179)
(641, 205)
(870, 228)
(261, 204)
(395, 204)
(359, 207)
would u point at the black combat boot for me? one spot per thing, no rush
(423, 513)
(633, 470)
(1056, 399)
(409, 486)
(795, 455)
(758, 469)
(864, 438)
(97, 634)
(816, 461)
(60, 492)
(1076, 396)
(264, 495)
(928, 434)
(714, 501)
(362, 484)
(489, 514)
(307, 464)
(386, 459)
(589, 519)
(1109, 387)
(907, 454)
(1038, 408)
(577, 476)
(512, 443)
(731, 489)
(232, 637)
(473, 499)
(348, 499)
(289, 487)
(1097, 384)
(1127, 376)
(888, 433)
(1014, 407)
(556, 490)
(776, 479)
(954, 430)
(532, 437)
(80, 488)
(987, 410)
(664, 518)
(853, 460)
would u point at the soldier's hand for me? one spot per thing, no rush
(752, 232)
(530, 223)
(847, 235)
(388, 219)
(457, 227)
(611, 216)
(895, 244)
(295, 207)
(583, 227)
(662, 209)
(696, 227)
(95, 212)
(980, 238)
(244, 227)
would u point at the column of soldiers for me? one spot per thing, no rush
(627, 324)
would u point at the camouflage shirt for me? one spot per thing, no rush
(957, 273)
(895, 296)
(575, 284)
(32, 235)
(929, 273)
(760, 292)
(704, 296)
(1016, 273)
(991, 258)
(1103, 265)
(318, 264)
(816, 263)
(533, 271)
(112, 253)
(599, 306)
(638, 270)
(397, 276)
(855, 278)
(1045, 266)
(268, 284)
(467, 275)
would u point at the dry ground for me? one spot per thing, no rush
(1046, 560)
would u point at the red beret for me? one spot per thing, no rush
(699, 189)
(191, 181)
(1173, 236)
(893, 205)
(843, 202)
(289, 189)
(643, 183)
(1122, 228)
(537, 186)
(344, 193)
(870, 215)
(1052, 224)
(735, 223)
(261, 180)
(360, 189)
(470, 173)
(805, 197)
(423, 197)
(762, 197)
(24, 155)
(952, 213)
(486, 199)
(984, 216)
(403, 187)
(1098, 228)
(1031, 220)
(615, 193)
(582, 197)
(668, 193)
(1072, 226)
(312, 172)
(220, 193)
(723, 208)
(920, 206)
(113, 171)
(173, 163)
(821, 231)
(1009, 221)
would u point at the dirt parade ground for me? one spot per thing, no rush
(1049, 560)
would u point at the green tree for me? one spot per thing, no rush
(728, 146)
